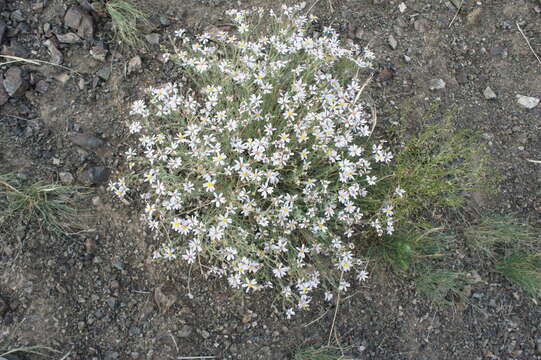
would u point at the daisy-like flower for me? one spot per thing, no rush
(250, 285)
(169, 253)
(209, 185)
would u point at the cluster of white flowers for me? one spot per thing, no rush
(260, 167)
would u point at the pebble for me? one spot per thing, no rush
(436, 84)
(111, 302)
(66, 178)
(99, 53)
(56, 55)
(78, 19)
(392, 42)
(489, 93)
(105, 72)
(153, 38)
(68, 38)
(42, 86)
(15, 82)
(135, 64)
(528, 102)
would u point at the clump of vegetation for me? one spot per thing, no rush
(48, 205)
(514, 248)
(263, 166)
(524, 270)
(127, 18)
(442, 287)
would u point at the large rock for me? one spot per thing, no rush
(15, 82)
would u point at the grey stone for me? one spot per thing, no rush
(68, 38)
(17, 16)
(153, 38)
(15, 82)
(56, 55)
(99, 53)
(436, 84)
(489, 93)
(78, 19)
(135, 64)
(392, 42)
(66, 178)
(105, 72)
(528, 102)
(42, 86)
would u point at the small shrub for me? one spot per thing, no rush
(49, 205)
(263, 166)
(125, 17)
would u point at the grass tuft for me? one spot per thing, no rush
(50, 205)
(126, 16)
(323, 353)
(524, 270)
(442, 287)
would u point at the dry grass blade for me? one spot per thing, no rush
(125, 16)
(528, 42)
(16, 59)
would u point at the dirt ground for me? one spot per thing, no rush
(92, 295)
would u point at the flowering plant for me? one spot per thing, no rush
(262, 166)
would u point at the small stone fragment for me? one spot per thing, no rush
(78, 19)
(73, 17)
(15, 82)
(99, 53)
(489, 93)
(392, 42)
(402, 7)
(62, 78)
(42, 86)
(153, 38)
(135, 65)
(105, 72)
(436, 84)
(68, 38)
(66, 178)
(56, 55)
(528, 102)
